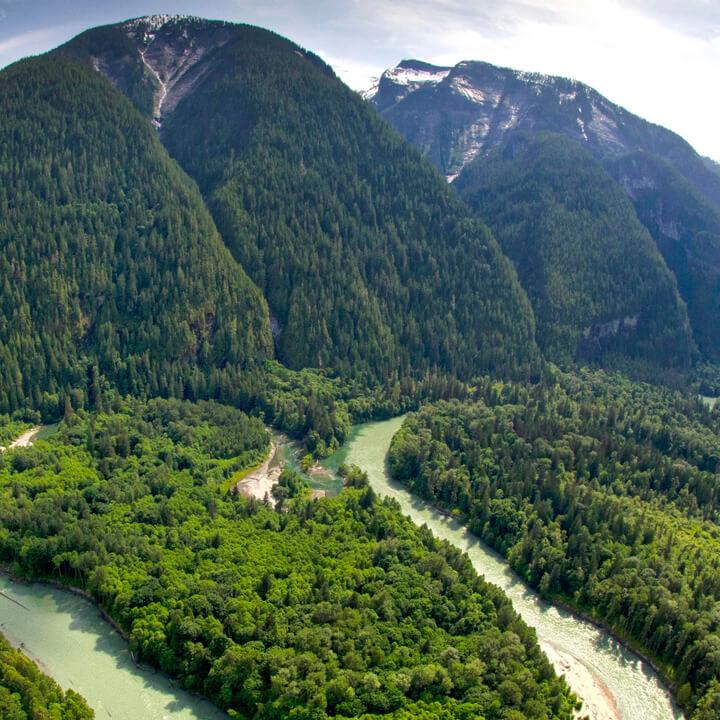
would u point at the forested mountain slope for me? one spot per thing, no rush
(686, 228)
(368, 263)
(110, 262)
(459, 116)
(597, 283)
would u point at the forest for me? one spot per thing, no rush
(332, 608)
(581, 253)
(369, 264)
(107, 249)
(602, 493)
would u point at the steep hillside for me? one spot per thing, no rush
(597, 283)
(686, 228)
(109, 258)
(368, 262)
(458, 115)
(474, 106)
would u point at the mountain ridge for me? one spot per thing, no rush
(253, 117)
(477, 104)
(475, 108)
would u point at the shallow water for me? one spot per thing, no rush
(69, 640)
(635, 689)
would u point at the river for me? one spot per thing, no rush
(66, 636)
(68, 639)
(613, 682)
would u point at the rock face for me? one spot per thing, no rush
(156, 60)
(455, 114)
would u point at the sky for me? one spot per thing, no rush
(658, 58)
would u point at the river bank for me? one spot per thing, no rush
(258, 483)
(25, 439)
(80, 647)
(598, 702)
(564, 603)
(612, 680)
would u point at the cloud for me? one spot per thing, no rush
(29, 43)
(697, 18)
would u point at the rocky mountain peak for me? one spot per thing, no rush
(155, 59)
(402, 80)
(456, 114)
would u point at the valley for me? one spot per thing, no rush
(335, 405)
(68, 639)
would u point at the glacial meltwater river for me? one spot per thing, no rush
(613, 682)
(69, 640)
(66, 636)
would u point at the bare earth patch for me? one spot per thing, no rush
(259, 483)
(24, 440)
(598, 702)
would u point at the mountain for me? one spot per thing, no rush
(459, 116)
(474, 106)
(712, 165)
(598, 285)
(110, 260)
(369, 264)
(397, 83)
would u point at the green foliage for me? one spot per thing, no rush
(707, 376)
(339, 607)
(597, 283)
(10, 429)
(369, 264)
(110, 264)
(317, 408)
(28, 694)
(290, 485)
(596, 489)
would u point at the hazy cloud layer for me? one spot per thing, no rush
(697, 18)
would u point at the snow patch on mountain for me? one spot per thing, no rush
(407, 77)
(463, 86)
(415, 76)
(152, 23)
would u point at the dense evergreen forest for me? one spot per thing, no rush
(338, 607)
(599, 491)
(368, 262)
(110, 264)
(27, 694)
(597, 283)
